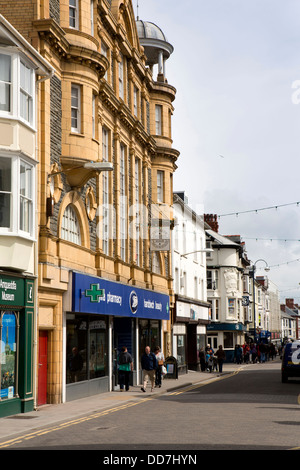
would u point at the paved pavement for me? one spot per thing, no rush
(49, 414)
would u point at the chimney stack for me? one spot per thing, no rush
(290, 303)
(212, 221)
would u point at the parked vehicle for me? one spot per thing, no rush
(290, 365)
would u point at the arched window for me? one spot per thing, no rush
(70, 229)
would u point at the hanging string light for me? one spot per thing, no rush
(272, 239)
(286, 263)
(259, 210)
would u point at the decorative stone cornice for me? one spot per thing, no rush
(88, 57)
(168, 153)
(165, 88)
(55, 36)
(50, 31)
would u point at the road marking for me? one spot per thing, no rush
(41, 432)
(202, 384)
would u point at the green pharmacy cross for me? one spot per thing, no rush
(95, 293)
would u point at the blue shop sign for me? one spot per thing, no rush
(96, 295)
(226, 327)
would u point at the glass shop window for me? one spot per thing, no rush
(86, 348)
(181, 350)
(8, 350)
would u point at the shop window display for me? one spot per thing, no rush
(86, 348)
(8, 355)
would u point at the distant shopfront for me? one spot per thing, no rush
(105, 316)
(228, 335)
(191, 318)
(16, 339)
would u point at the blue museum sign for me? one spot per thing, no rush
(226, 327)
(100, 296)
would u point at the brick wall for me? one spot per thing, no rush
(54, 10)
(20, 13)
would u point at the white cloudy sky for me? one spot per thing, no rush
(234, 66)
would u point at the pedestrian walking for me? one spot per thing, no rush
(253, 353)
(262, 351)
(209, 349)
(160, 362)
(210, 362)
(238, 354)
(125, 369)
(221, 356)
(246, 350)
(272, 351)
(207, 356)
(202, 359)
(149, 366)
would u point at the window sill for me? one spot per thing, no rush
(11, 117)
(77, 134)
(17, 235)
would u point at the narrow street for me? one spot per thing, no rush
(250, 410)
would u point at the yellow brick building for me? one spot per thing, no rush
(104, 277)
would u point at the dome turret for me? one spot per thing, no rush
(156, 46)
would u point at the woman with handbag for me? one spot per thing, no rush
(160, 361)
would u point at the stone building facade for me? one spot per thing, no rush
(103, 105)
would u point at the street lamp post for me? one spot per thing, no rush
(252, 272)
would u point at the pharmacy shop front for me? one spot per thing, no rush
(104, 317)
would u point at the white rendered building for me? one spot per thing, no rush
(192, 311)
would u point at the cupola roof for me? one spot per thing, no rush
(154, 41)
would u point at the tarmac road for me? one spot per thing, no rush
(247, 408)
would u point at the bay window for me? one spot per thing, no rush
(16, 196)
(135, 101)
(231, 308)
(121, 77)
(5, 192)
(5, 83)
(76, 109)
(26, 201)
(73, 14)
(26, 93)
(92, 17)
(160, 186)
(17, 85)
(158, 119)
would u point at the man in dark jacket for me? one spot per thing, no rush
(125, 368)
(149, 366)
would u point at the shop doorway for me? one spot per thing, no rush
(192, 353)
(123, 335)
(149, 333)
(43, 368)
